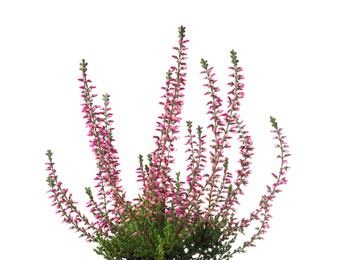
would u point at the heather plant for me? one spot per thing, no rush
(171, 218)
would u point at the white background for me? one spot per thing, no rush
(293, 57)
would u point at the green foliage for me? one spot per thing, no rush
(201, 238)
(274, 122)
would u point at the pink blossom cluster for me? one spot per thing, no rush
(206, 199)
